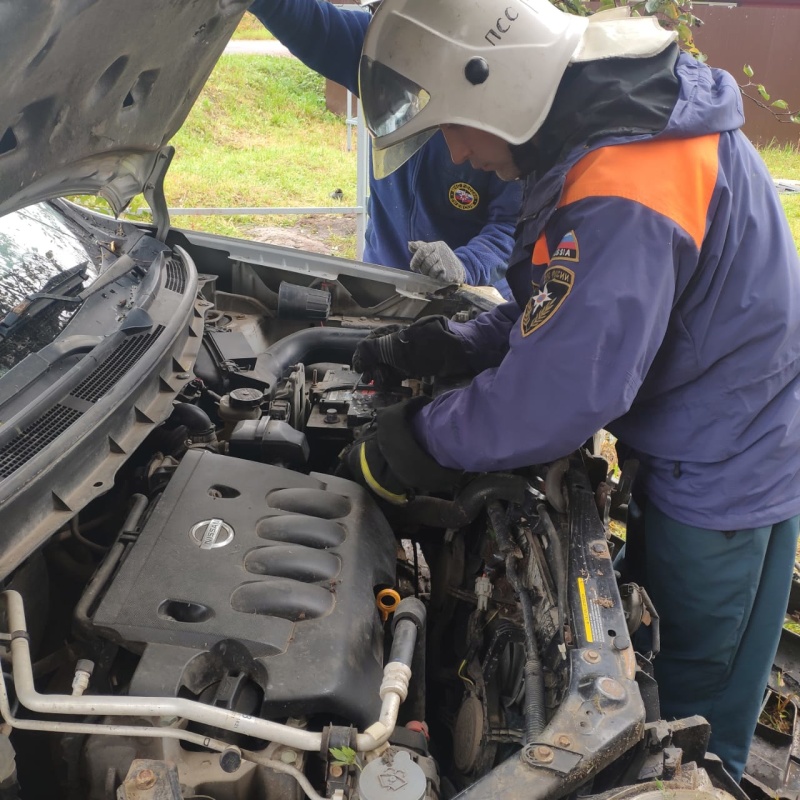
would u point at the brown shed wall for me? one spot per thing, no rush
(766, 38)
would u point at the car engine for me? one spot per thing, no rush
(236, 619)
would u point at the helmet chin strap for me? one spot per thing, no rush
(526, 156)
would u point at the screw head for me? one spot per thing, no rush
(562, 740)
(542, 754)
(591, 656)
(145, 779)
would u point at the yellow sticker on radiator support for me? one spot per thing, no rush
(587, 623)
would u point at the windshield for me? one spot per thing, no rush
(37, 245)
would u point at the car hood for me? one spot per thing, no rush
(91, 91)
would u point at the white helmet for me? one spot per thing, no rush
(494, 65)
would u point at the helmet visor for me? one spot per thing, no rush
(387, 160)
(389, 100)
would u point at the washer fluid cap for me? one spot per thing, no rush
(394, 775)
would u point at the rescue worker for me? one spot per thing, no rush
(451, 222)
(656, 294)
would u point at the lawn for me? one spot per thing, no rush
(260, 135)
(784, 162)
(251, 28)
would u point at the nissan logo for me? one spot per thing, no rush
(211, 533)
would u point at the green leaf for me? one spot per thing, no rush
(763, 92)
(651, 6)
(606, 4)
(781, 104)
(748, 70)
(795, 118)
(345, 756)
(684, 33)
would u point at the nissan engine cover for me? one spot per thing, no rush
(251, 569)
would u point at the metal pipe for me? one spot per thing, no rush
(393, 691)
(288, 769)
(56, 726)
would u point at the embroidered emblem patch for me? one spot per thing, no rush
(547, 298)
(567, 249)
(464, 197)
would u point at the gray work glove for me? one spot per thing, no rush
(437, 260)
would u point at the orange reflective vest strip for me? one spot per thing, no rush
(654, 174)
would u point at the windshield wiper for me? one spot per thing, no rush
(60, 289)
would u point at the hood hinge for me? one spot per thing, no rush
(154, 192)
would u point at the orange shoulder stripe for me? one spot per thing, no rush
(654, 174)
(541, 255)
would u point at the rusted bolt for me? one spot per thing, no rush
(591, 656)
(598, 549)
(145, 779)
(543, 754)
(336, 771)
(612, 689)
(562, 740)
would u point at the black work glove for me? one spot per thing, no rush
(389, 461)
(426, 347)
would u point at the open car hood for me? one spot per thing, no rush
(94, 89)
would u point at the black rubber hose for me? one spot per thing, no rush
(438, 513)
(409, 619)
(310, 345)
(193, 417)
(404, 642)
(83, 609)
(533, 672)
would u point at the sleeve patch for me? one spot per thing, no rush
(546, 299)
(567, 249)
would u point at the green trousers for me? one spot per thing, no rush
(722, 597)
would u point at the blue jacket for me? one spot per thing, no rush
(657, 295)
(429, 198)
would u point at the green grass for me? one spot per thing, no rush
(259, 135)
(251, 28)
(784, 162)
